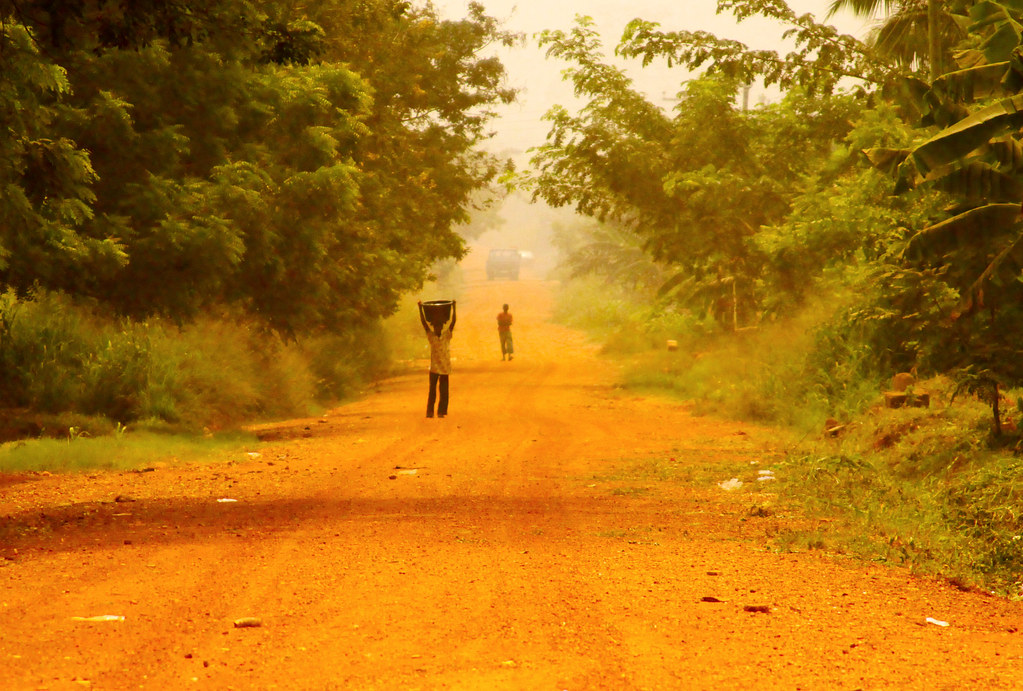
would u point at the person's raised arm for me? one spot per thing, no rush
(422, 317)
(454, 304)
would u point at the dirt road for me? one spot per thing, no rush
(530, 540)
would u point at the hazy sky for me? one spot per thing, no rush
(540, 81)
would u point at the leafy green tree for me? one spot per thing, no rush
(843, 218)
(696, 187)
(46, 195)
(484, 212)
(608, 250)
(303, 163)
(975, 252)
(433, 96)
(821, 60)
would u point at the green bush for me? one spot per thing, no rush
(343, 363)
(59, 356)
(594, 305)
(45, 346)
(621, 319)
(775, 373)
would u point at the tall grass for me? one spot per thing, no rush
(59, 357)
(776, 373)
(620, 318)
(772, 374)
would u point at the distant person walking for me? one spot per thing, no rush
(440, 361)
(504, 324)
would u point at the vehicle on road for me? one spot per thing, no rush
(504, 263)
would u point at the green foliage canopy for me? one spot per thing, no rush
(822, 57)
(304, 163)
(695, 186)
(974, 252)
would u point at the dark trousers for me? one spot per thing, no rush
(507, 347)
(442, 405)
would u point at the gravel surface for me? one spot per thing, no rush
(552, 532)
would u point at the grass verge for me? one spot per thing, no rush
(918, 487)
(925, 488)
(117, 452)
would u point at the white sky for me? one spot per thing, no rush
(539, 80)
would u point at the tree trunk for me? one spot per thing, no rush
(735, 308)
(933, 42)
(994, 409)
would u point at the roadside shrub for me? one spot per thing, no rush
(115, 374)
(44, 346)
(778, 372)
(342, 364)
(596, 306)
(623, 321)
(59, 356)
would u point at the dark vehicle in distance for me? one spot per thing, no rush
(504, 263)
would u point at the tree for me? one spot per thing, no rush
(696, 187)
(976, 250)
(913, 32)
(302, 163)
(46, 196)
(433, 96)
(821, 60)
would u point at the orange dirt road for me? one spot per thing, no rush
(530, 540)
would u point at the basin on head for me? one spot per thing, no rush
(437, 312)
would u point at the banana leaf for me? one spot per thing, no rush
(677, 281)
(1007, 153)
(999, 22)
(909, 89)
(979, 182)
(967, 135)
(973, 83)
(690, 287)
(886, 160)
(969, 58)
(1006, 29)
(1012, 256)
(1012, 82)
(1001, 43)
(972, 227)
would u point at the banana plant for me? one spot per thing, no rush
(977, 159)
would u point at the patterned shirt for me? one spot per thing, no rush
(440, 352)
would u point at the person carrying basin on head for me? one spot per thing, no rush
(433, 315)
(504, 324)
